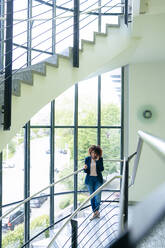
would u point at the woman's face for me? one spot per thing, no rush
(93, 155)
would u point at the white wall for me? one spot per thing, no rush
(156, 6)
(146, 88)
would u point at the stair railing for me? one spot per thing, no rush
(47, 187)
(108, 221)
(80, 207)
(115, 199)
(34, 195)
(123, 219)
(21, 52)
(120, 212)
(132, 235)
(51, 185)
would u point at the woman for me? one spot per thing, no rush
(94, 179)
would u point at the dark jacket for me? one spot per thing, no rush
(99, 169)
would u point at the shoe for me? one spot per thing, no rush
(95, 215)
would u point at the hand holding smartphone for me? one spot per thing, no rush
(85, 166)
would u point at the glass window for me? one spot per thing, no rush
(63, 206)
(39, 159)
(110, 7)
(87, 105)
(110, 143)
(42, 117)
(88, 25)
(64, 27)
(64, 158)
(39, 215)
(42, 28)
(81, 198)
(86, 138)
(111, 98)
(13, 228)
(64, 108)
(13, 167)
(19, 57)
(39, 178)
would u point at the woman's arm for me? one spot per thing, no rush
(100, 164)
(86, 169)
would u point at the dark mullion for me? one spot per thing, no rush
(27, 183)
(41, 126)
(75, 143)
(122, 111)
(99, 86)
(122, 121)
(52, 131)
(99, 112)
(1, 36)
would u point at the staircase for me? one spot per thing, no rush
(96, 233)
(35, 86)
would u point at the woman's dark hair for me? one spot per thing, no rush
(96, 149)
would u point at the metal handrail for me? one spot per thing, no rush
(156, 143)
(110, 211)
(88, 216)
(82, 205)
(8, 68)
(139, 228)
(57, 222)
(47, 187)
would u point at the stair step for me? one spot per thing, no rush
(25, 76)
(65, 72)
(100, 231)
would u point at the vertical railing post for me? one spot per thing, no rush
(125, 212)
(126, 12)
(76, 34)
(99, 16)
(8, 66)
(29, 33)
(123, 216)
(54, 27)
(74, 226)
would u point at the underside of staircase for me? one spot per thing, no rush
(37, 85)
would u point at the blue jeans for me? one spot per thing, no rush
(93, 185)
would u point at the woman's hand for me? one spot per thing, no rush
(85, 167)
